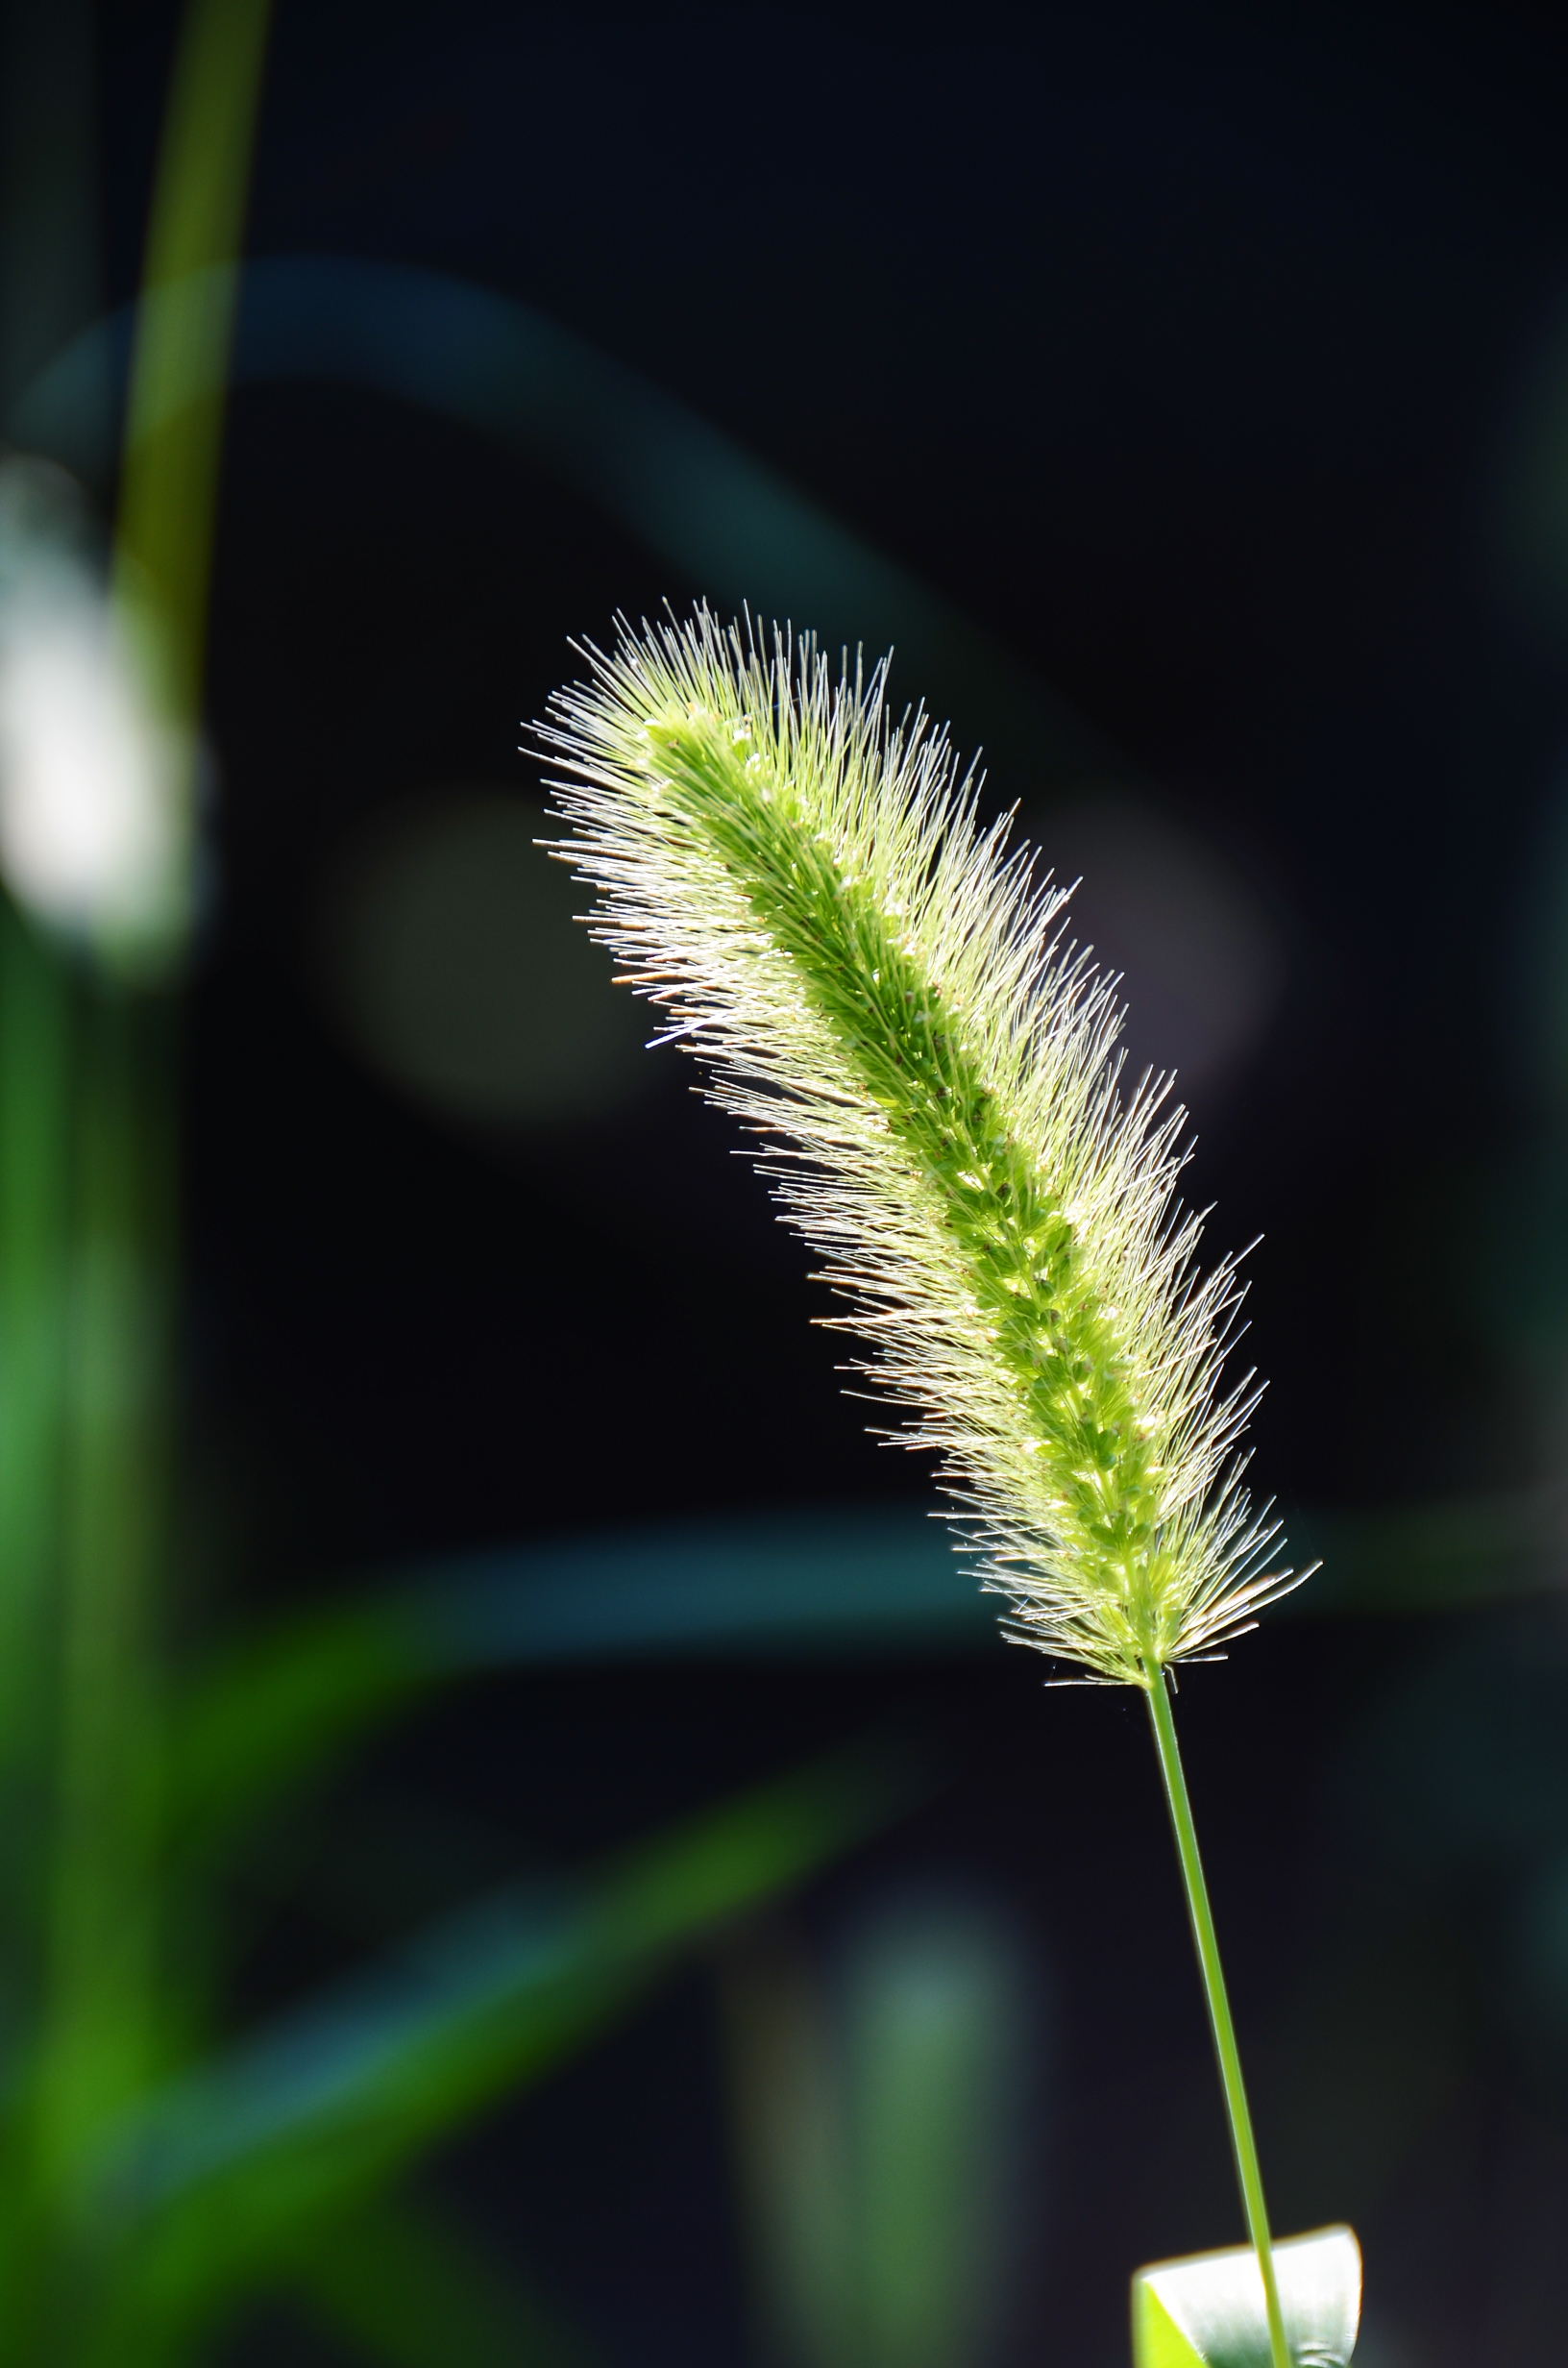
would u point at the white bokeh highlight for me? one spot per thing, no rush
(93, 836)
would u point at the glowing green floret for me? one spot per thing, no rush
(880, 989)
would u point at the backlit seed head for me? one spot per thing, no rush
(800, 882)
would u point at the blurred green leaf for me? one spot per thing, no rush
(1208, 2308)
(407, 2290)
(879, 1579)
(214, 2180)
(264, 1718)
(1433, 1557)
(883, 1579)
(868, 1578)
(878, 2120)
(938, 2046)
(688, 491)
(268, 1716)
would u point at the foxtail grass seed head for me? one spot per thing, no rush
(883, 992)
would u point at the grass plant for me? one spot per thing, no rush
(887, 996)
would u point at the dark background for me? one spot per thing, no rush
(1207, 360)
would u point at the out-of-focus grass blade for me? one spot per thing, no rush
(938, 2043)
(1445, 1556)
(218, 2177)
(183, 333)
(686, 489)
(409, 2290)
(878, 2107)
(1206, 2311)
(880, 1580)
(794, 2155)
(266, 1715)
(270, 1711)
(775, 1583)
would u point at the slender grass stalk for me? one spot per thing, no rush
(101, 2049)
(1226, 2051)
(35, 1033)
(883, 993)
(184, 326)
(173, 422)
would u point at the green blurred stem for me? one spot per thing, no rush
(100, 2047)
(35, 1031)
(1219, 2007)
(105, 2027)
(184, 326)
(103, 2018)
(164, 530)
(88, 1273)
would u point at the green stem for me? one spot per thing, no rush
(184, 326)
(103, 2013)
(163, 539)
(1220, 2007)
(35, 1037)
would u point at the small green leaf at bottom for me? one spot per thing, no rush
(1206, 2311)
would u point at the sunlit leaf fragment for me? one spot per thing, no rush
(1206, 2311)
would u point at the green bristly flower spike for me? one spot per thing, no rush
(806, 887)
(879, 988)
